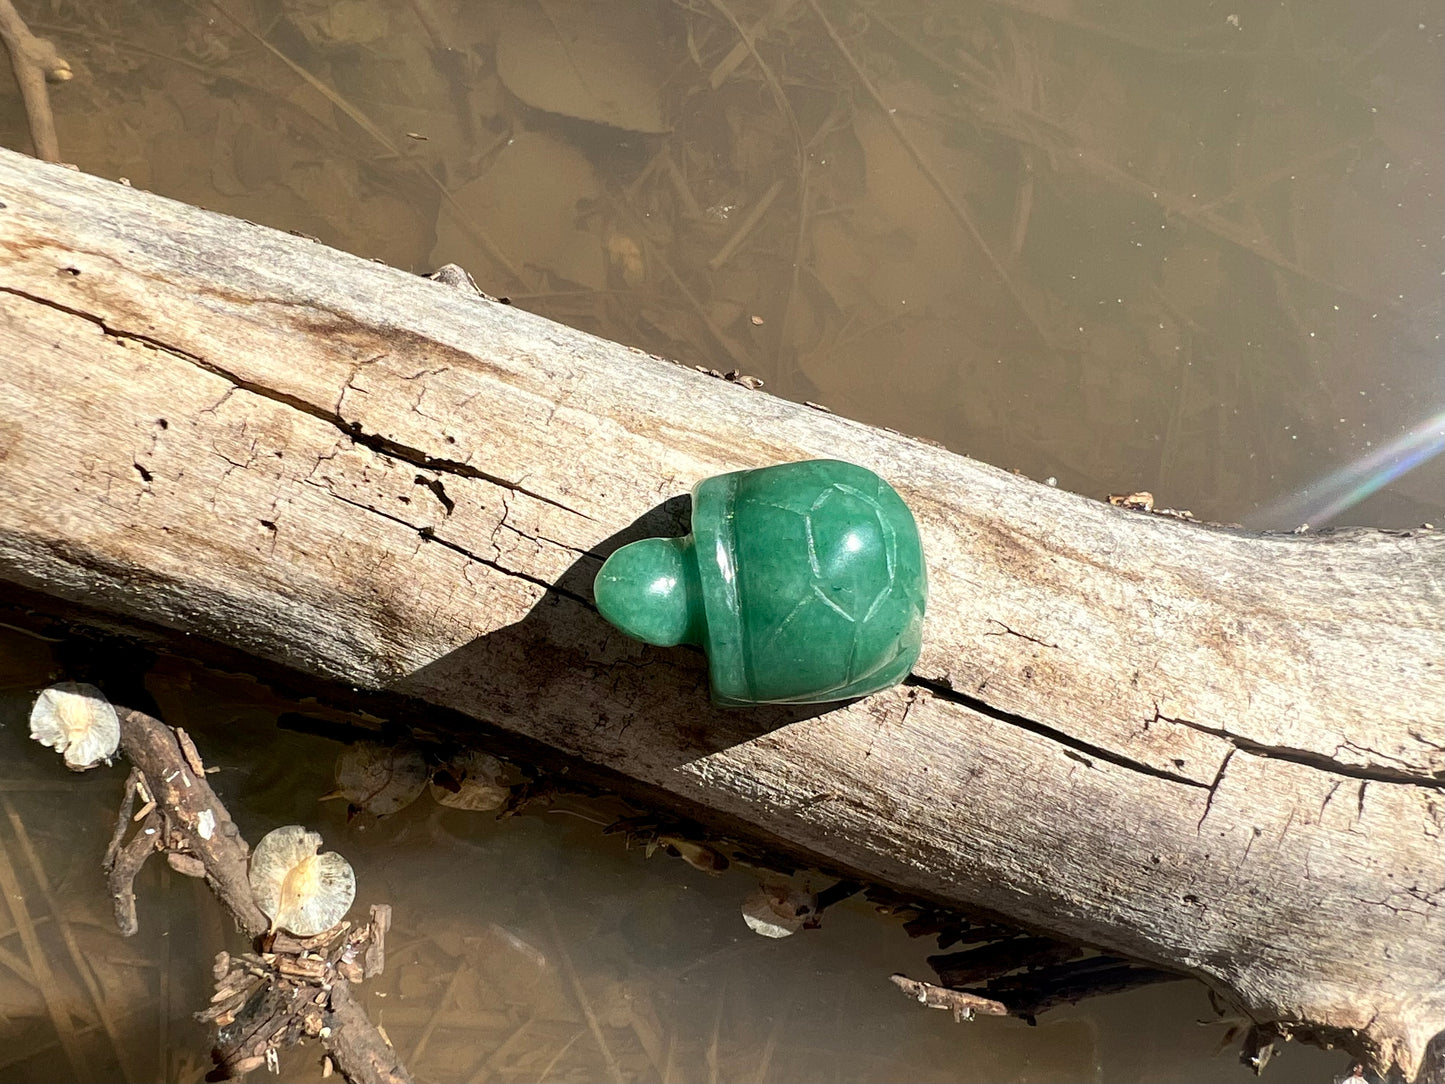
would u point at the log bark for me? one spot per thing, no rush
(1213, 751)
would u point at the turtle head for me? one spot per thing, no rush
(650, 590)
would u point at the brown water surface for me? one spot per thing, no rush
(1128, 246)
(1191, 249)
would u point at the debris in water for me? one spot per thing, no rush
(695, 854)
(471, 780)
(1139, 502)
(380, 779)
(963, 1006)
(585, 61)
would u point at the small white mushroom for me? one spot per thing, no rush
(77, 721)
(778, 910)
(471, 780)
(381, 779)
(299, 890)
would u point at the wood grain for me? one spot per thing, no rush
(1217, 751)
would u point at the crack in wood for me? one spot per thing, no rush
(1308, 758)
(1034, 726)
(427, 534)
(352, 430)
(439, 491)
(1021, 635)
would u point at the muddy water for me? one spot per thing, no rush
(1125, 247)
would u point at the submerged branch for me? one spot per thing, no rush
(36, 63)
(291, 988)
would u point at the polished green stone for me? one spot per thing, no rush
(804, 583)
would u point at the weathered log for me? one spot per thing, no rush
(1208, 750)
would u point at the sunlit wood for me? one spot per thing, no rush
(1206, 749)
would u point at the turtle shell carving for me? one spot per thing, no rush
(805, 582)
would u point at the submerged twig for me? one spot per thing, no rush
(770, 1046)
(45, 981)
(546, 1072)
(1030, 128)
(67, 935)
(964, 1006)
(486, 1068)
(293, 988)
(36, 62)
(17, 967)
(960, 212)
(489, 246)
(745, 227)
(774, 86)
(580, 993)
(739, 52)
(714, 1068)
(419, 1048)
(657, 259)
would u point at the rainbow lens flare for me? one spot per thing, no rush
(1321, 501)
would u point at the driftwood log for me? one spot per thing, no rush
(1213, 751)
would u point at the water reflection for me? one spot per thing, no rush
(531, 948)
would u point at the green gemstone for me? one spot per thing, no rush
(804, 583)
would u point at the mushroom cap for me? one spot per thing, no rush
(77, 721)
(471, 780)
(778, 910)
(299, 890)
(381, 779)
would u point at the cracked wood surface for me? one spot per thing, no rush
(1211, 750)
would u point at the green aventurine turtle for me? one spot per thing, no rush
(804, 583)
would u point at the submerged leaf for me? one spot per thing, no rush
(473, 781)
(778, 910)
(595, 62)
(381, 779)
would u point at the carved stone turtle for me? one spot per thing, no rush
(804, 582)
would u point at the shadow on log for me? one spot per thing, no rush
(1213, 752)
